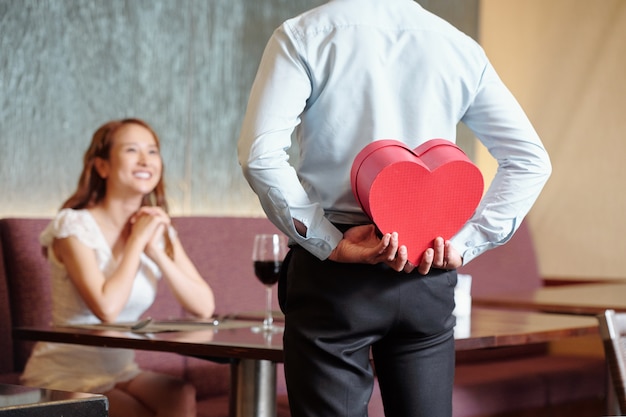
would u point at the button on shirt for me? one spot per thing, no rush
(354, 71)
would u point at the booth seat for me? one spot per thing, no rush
(496, 382)
(221, 249)
(528, 380)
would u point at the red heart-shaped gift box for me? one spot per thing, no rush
(423, 193)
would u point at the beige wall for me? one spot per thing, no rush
(565, 60)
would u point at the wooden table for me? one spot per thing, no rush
(254, 355)
(584, 299)
(491, 328)
(17, 400)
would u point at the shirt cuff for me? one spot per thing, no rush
(321, 239)
(470, 243)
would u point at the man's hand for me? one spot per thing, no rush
(442, 255)
(361, 245)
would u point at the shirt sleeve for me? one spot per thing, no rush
(69, 222)
(524, 167)
(278, 96)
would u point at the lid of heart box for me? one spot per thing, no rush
(423, 193)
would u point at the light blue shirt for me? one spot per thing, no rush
(354, 71)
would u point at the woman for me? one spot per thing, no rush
(108, 246)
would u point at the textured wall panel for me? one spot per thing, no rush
(186, 67)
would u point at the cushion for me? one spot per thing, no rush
(508, 268)
(221, 249)
(28, 276)
(6, 338)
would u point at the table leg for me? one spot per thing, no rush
(253, 388)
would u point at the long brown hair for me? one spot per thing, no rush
(92, 188)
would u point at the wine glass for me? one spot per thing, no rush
(267, 257)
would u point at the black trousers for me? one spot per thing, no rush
(339, 315)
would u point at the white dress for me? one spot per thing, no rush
(85, 368)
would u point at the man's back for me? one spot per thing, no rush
(377, 70)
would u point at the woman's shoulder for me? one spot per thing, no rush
(70, 222)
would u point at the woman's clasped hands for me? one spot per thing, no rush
(148, 225)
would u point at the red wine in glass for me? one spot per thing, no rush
(267, 257)
(267, 271)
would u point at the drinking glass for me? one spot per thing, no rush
(267, 257)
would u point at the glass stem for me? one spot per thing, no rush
(268, 321)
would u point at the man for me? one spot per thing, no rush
(343, 75)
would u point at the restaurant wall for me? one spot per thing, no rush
(67, 66)
(186, 67)
(565, 60)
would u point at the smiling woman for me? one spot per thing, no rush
(135, 157)
(92, 183)
(108, 246)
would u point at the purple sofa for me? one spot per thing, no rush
(220, 248)
(499, 382)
